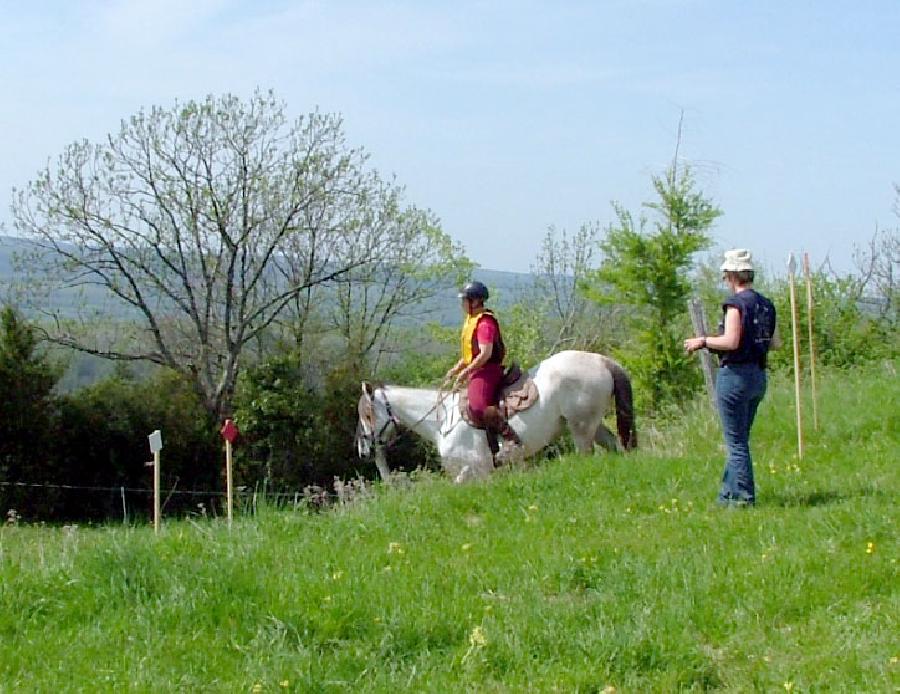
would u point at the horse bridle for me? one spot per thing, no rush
(369, 416)
(377, 441)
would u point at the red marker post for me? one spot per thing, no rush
(229, 432)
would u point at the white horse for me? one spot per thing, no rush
(575, 387)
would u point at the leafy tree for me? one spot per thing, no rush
(297, 427)
(645, 268)
(207, 222)
(26, 403)
(101, 441)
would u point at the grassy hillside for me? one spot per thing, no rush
(578, 575)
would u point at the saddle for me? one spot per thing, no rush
(517, 393)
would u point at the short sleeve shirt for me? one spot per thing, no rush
(486, 331)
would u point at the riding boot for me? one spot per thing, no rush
(512, 444)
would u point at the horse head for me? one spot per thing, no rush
(376, 423)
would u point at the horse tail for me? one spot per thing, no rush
(624, 404)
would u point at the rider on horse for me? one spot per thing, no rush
(481, 365)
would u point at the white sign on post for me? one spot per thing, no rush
(155, 448)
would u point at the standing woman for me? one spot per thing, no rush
(746, 334)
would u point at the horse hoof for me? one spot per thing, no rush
(510, 454)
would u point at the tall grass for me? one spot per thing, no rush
(577, 575)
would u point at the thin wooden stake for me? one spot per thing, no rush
(124, 508)
(812, 347)
(156, 509)
(228, 482)
(155, 447)
(792, 266)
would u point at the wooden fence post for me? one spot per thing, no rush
(699, 322)
(792, 266)
(812, 349)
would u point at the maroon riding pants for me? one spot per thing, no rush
(484, 385)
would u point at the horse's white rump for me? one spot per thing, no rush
(574, 387)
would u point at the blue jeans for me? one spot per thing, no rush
(739, 390)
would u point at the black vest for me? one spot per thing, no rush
(757, 328)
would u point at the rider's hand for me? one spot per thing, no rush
(461, 379)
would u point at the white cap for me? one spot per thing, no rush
(737, 260)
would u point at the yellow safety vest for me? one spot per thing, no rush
(468, 334)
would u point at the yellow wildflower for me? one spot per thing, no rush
(466, 547)
(395, 548)
(477, 638)
(284, 684)
(870, 547)
(336, 576)
(789, 686)
(257, 688)
(533, 507)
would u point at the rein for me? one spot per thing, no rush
(392, 419)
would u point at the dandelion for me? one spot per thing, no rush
(788, 686)
(477, 638)
(395, 548)
(257, 688)
(466, 547)
(284, 684)
(870, 548)
(893, 660)
(336, 576)
(628, 509)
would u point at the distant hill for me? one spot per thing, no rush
(504, 287)
(83, 369)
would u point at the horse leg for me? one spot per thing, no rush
(465, 454)
(381, 464)
(583, 436)
(604, 437)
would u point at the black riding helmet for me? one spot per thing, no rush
(474, 290)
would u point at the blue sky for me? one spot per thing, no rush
(507, 117)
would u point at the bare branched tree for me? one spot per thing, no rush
(561, 266)
(206, 222)
(417, 264)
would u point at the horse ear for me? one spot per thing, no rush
(367, 389)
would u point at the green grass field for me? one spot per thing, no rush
(606, 573)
